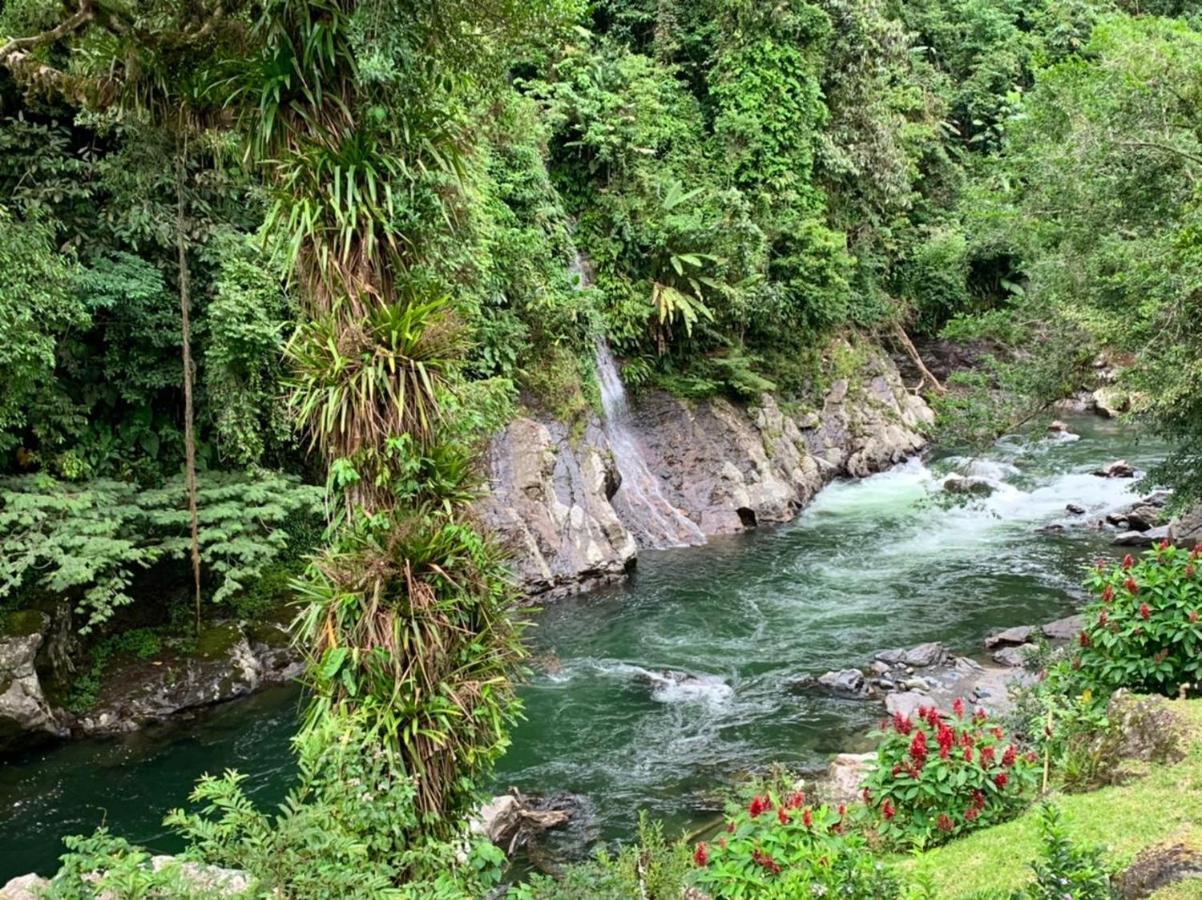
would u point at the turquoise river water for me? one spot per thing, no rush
(870, 564)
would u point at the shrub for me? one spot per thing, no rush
(781, 846)
(1063, 869)
(651, 868)
(1144, 626)
(937, 777)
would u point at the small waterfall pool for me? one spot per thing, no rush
(869, 565)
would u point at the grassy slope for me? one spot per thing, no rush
(1163, 806)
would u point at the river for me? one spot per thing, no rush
(870, 564)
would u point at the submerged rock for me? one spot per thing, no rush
(845, 681)
(668, 685)
(1120, 468)
(968, 484)
(1074, 509)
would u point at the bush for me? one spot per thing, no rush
(936, 777)
(1063, 869)
(1144, 626)
(781, 846)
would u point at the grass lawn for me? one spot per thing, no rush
(1163, 806)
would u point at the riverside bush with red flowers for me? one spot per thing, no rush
(1143, 628)
(780, 846)
(938, 776)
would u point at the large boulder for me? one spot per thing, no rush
(968, 484)
(1010, 637)
(226, 662)
(1186, 529)
(845, 681)
(931, 653)
(1120, 468)
(24, 710)
(1065, 629)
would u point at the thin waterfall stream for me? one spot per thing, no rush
(870, 564)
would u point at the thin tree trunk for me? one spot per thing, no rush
(185, 303)
(912, 352)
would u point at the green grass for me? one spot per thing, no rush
(1163, 805)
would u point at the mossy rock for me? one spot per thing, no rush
(268, 634)
(217, 641)
(23, 622)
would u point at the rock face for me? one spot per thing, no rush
(1186, 529)
(24, 711)
(724, 467)
(230, 661)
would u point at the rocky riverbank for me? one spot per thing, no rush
(557, 497)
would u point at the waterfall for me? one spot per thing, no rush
(640, 502)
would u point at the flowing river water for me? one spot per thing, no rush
(870, 564)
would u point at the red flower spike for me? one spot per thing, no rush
(968, 754)
(866, 795)
(1193, 615)
(763, 859)
(887, 809)
(1102, 620)
(842, 810)
(1108, 593)
(918, 747)
(1009, 756)
(730, 827)
(783, 816)
(1128, 561)
(1144, 611)
(997, 732)
(1132, 585)
(1083, 639)
(945, 822)
(978, 799)
(958, 707)
(758, 805)
(1164, 545)
(722, 842)
(971, 814)
(807, 818)
(1000, 780)
(700, 856)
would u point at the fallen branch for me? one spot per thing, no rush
(912, 352)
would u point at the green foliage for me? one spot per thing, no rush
(651, 867)
(36, 307)
(1143, 630)
(1065, 869)
(940, 776)
(89, 541)
(779, 846)
(340, 832)
(102, 865)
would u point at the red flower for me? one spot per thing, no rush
(1193, 615)
(866, 795)
(887, 809)
(1083, 639)
(945, 822)
(1128, 561)
(1099, 564)
(807, 818)
(796, 800)
(997, 732)
(902, 724)
(1032, 756)
(763, 859)
(1102, 620)
(987, 756)
(918, 747)
(1163, 545)
(1000, 779)
(971, 814)
(1189, 570)
(842, 810)
(1132, 585)
(730, 827)
(1144, 611)
(968, 754)
(958, 707)
(1108, 593)
(978, 799)
(783, 816)
(1009, 756)
(759, 805)
(979, 715)
(700, 856)
(722, 842)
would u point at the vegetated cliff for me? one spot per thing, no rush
(558, 499)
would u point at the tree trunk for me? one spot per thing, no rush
(912, 352)
(185, 303)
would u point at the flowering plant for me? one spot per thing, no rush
(1143, 630)
(938, 776)
(781, 846)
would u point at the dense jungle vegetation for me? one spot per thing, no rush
(271, 273)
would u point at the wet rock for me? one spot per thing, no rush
(224, 665)
(1141, 538)
(1074, 509)
(1186, 529)
(668, 684)
(845, 681)
(1013, 657)
(1065, 629)
(1057, 426)
(968, 484)
(1111, 401)
(1158, 499)
(1010, 637)
(24, 710)
(889, 657)
(1120, 468)
(906, 703)
(932, 653)
(1143, 518)
(844, 778)
(879, 667)
(25, 887)
(1051, 528)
